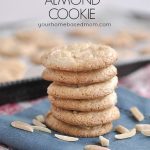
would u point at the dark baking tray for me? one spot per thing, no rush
(26, 90)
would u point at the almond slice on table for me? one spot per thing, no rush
(121, 129)
(140, 127)
(104, 141)
(126, 135)
(146, 132)
(22, 126)
(66, 138)
(95, 147)
(38, 123)
(43, 129)
(40, 118)
(137, 113)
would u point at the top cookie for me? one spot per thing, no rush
(80, 57)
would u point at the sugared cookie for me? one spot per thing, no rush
(145, 50)
(41, 38)
(88, 77)
(86, 32)
(80, 57)
(85, 105)
(140, 35)
(26, 49)
(86, 118)
(8, 47)
(11, 69)
(77, 131)
(92, 91)
(120, 39)
(36, 57)
(31, 35)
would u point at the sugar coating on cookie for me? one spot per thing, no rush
(77, 131)
(84, 91)
(11, 70)
(85, 105)
(86, 118)
(87, 77)
(80, 57)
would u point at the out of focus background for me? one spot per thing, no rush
(22, 43)
(125, 26)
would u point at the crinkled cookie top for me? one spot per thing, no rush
(80, 57)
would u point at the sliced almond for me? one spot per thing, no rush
(66, 138)
(40, 118)
(137, 113)
(104, 141)
(43, 129)
(95, 147)
(121, 129)
(126, 135)
(22, 126)
(146, 132)
(140, 127)
(38, 123)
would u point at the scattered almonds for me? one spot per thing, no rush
(146, 132)
(38, 123)
(95, 147)
(22, 126)
(126, 135)
(66, 138)
(104, 141)
(137, 114)
(140, 127)
(40, 118)
(43, 129)
(121, 129)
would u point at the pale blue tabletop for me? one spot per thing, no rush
(22, 140)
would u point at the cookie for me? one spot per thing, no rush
(31, 35)
(11, 70)
(77, 131)
(86, 118)
(89, 77)
(36, 57)
(127, 54)
(120, 39)
(8, 47)
(41, 38)
(80, 57)
(84, 32)
(26, 49)
(145, 50)
(140, 35)
(85, 105)
(92, 91)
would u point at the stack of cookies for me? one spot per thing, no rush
(82, 94)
